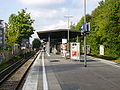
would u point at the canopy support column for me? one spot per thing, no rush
(48, 44)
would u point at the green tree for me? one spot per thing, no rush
(72, 27)
(19, 27)
(36, 44)
(105, 28)
(81, 22)
(79, 25)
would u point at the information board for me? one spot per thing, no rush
(75, 51)
(101, 50)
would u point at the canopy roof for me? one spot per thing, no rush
(58, 34)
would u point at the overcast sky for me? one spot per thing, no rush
(48, 14)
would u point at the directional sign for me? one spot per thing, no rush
(85, 27)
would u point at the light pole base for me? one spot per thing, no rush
(85, 65)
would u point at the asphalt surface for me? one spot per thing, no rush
(68, 74)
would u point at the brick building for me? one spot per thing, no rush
(2, 34)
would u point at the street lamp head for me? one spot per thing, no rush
(68, 16)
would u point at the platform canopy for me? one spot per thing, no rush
(58, 34)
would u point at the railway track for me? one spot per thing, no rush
(11, 77)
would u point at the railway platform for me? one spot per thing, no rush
(55, 73)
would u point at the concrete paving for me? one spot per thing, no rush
(114, 64)
(32, 79)
(72, 75)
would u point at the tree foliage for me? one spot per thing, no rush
(80, 23)
(36, 44)
(72, 27)
(19, 27)
(105, 28)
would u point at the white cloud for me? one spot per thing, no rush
(60, 25)
(93, 2)
(40, 2)
(47, 13)
(44, 16)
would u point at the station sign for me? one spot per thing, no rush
(64, 41)
(85, 28)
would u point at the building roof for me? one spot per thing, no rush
(58, 34)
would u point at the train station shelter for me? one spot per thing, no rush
(56, 36)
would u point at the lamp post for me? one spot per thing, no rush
(68, 38)
(85, 59)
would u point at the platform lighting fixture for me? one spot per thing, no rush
(68, 38)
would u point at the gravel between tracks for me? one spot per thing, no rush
(13, 81)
